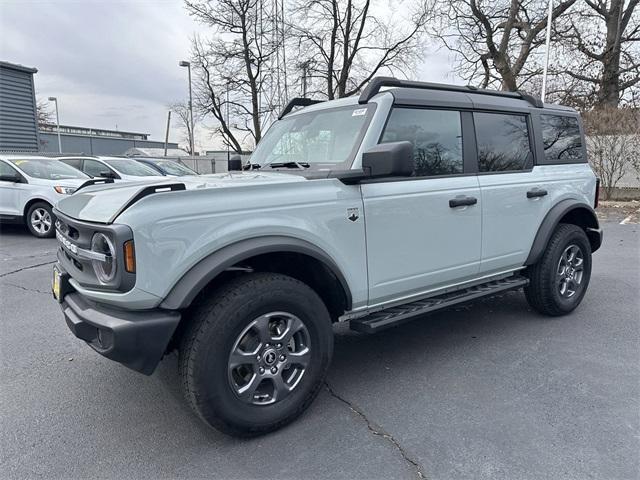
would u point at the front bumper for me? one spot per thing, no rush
(137, 339)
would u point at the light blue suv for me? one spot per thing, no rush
(372, 210)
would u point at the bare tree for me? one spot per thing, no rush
(613, 142)
(495, 40)
(44, 115)
(181, 111)
(342, 44)
(602, 46)
(232, 65)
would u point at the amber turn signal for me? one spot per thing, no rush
(129, 257)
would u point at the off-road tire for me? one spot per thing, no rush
(213, 329)
(46, 212)
(543, 293)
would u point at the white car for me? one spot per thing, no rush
(118, 168)
(30, 186)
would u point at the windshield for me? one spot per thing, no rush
(173, 168)
(324, 138)
(47, 169)
(131, 167)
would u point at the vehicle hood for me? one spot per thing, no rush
(103, 203)
(63, 182)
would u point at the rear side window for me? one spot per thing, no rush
(436, 136)
(74, 162)
(503, 142)
(561, 139)
(7, 170)
(94, 168)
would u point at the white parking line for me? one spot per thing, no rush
(626, 220)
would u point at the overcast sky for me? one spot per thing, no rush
(115, 62)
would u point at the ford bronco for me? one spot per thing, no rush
(372, 210)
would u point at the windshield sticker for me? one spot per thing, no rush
(359, 112)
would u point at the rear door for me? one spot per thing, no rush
(514, 195)
(424, 231)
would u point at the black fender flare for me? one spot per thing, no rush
(185, 290)
(589, 221)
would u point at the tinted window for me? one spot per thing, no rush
(561, 139)
(436, 136)
(94, 168)
(503, 142)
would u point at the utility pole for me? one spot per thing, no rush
(546, 53)
(55, 100)
(228, 125)
(166, 136)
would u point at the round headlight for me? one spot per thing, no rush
(104, 270)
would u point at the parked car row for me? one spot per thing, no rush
(30, 186)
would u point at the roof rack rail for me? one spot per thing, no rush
(94, 181)
(297, 102)
(377, 83)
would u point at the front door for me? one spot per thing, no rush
(423, 232)
(10, 192)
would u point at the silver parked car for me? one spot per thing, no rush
(118, 168)
(30, 187)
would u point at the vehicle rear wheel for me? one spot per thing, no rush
(559, 280)
(40, 220)
(255, 353)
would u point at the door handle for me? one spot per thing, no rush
(462, 201)
(536, 192)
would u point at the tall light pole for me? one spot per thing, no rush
(188, 65)
(55, 100)
(547, 48)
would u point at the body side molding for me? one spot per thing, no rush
(192, 282)
(552, 219)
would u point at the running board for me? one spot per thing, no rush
(393, 316)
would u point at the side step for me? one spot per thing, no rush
(403, 313)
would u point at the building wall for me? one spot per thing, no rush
(18, 124)
(94, 145)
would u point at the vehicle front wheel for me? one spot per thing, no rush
(40, 220)
(559, 280)
(255, 353)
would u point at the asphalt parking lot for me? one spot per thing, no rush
(490, 390)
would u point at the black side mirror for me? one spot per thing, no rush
(106, 174)
(389, 160)
(235, 163)
(14, 178)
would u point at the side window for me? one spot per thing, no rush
(561, 139)
(436, 136)
(503, 142)
(6, 169)
(94, 168)
(74, 162)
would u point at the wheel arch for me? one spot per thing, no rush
(278, 254)
(30, 202)
(566, 211)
